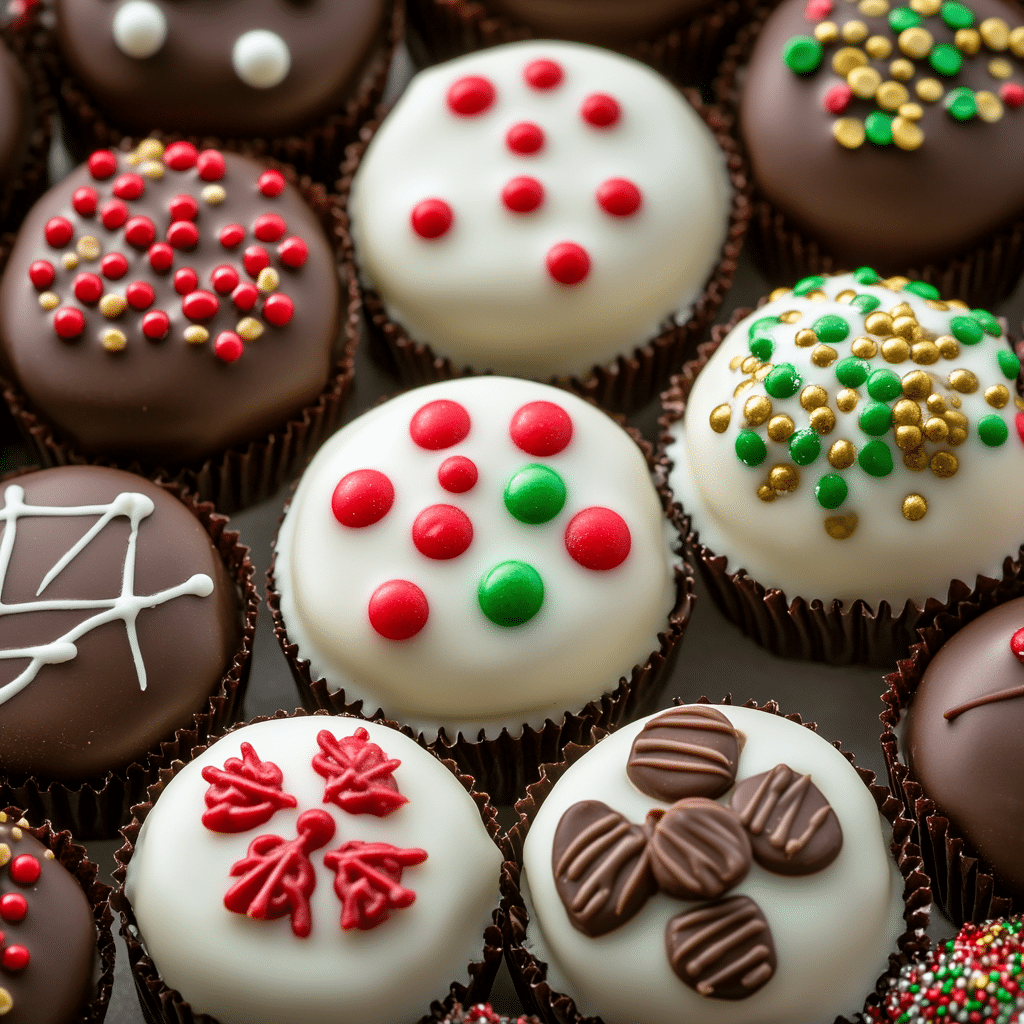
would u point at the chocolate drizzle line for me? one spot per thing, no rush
(692, 717)
(977, 702)
(783, 788)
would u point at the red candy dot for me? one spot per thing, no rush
(41, 274)
(271, 183)
(68, 322)
(293, 252)
(210, 165)
(224, 279)
(140, 295)
(442, 531)
(85, 200)
(278, 309)
(15, 958)
(185, 280)
(244, 296)
(102, 164)
(13, 907)
(161, 257)
(568, 263)
(114, 266)
(180, 156)
(619, 197)
(58, 232)
(525, 138)
(25, 869)
(541, 428)
(600, 110)
(838, 98)
(470, 96)
(1012, 94)
(269, 227)
(199, 305)
(398, 610)
(1020, 425)
(183, 207)
(129, 186)
(439, 425)
(362, 498)
(231, 235)
(156, 325)
(1017, 644)
(140, 232)
(254, 259)
(228, 346)
(183, 234)
(523, 194)
(816, 10)
(597, 538)
(431, 218)
(88, 288)
(543, 74)
(457, 474)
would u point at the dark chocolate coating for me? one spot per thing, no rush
(78, 719)
(882, 206)
(14, 126)
(168, 402)
(189, 84)
(612, 22)
(686, 751)
(58, 931)
(973, 766)
(793, 829)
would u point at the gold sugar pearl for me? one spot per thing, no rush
(6, 1002)
(906, 413)
(917, 384)
(88, 248)
(847, 400)
(816, 296)
(908, 438)
(936, 404)
(925, 352)
(805, 338)
(895, 350)
(845, 296)
(70, 260)
(112, 305)
(878, 324)
(916, 43)
(48, 855)
(813, 397)
(855, 32)
(757, 410)
(873, 8)
(777, 294)
(956, 420)
(823, 355)
(5, 854)
(133, 159)
(841, 527)
(916, 460)
(150, 149)
(719, 419)
(1019, 402)
(901, 69)
(957, 436)
(791, 316)
(944, 464)
(196, 335)
(929, 89)
(826, 32)
(968, 41)
(1016, 41)
(780, 428)
(1000, 67)
(990, 107)
(903, 327)
(268, 280)
(744, 385)
(249, 329)
(842, 455)
(948, 346)
(822, 420)
(113, 340)
(928, 8)
(213, 195)
(906, 134)
(995, 33)
(937, 304)
(891, 95)
(878, 48)
(848, 132)
(762, 371)
(911, 111)
(914, 507)
(48, 301)
(734, 363)
(864, 348)
(766, 493)
(957, 303)
(963, 381)
(901, 309)
(848, 58)
(997, 396)
(152, 169)
(784, 477)
(750, 364)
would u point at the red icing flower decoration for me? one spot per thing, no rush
(359, 774)
(367, 880)
(244, 793)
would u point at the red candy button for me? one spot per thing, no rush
(140, 232)
(431, 218)
(470, 96)
(156, 325)
(271, 183)
(278, 309)
(224, 279)
(228, 346)
(269, 227)
(525, 138)
(442, 532)
(199, 305)
(85, 200)
(114, 266)
(102, 164)
(457, 474)
(129, 186)
(619, 197)
(183, 234)
(161, 257)
(42, 274)
(140, 295)
(185, 280)
(183, 207)
(541, 428)
(597, 538)
(568, 263)
(439, 424)
(180, 156)
(362, 498)
(293, 252)
(398, 610)
(523, 195)
(600, 110)
(58, 232)
(543, 74)
(68, 322)
(210, 165)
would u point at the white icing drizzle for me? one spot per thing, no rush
(125, 606)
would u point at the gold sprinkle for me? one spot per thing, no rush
(213, 194)
(925, 353)
(133, 159)
(152, 169)
(48, 855)
(805, 338)
(813, 397)
(268, 280)
(757, 410)
(3, 817)
(848, 132)
(901, 309)
(956, 420)
(249, 329)
(6, 1002)
(963, 381)
(790, 316)
(1016, 41)
(936, 404)
(842, 455)
(906, 134)
(780, 428)
(734, 363)
(762, 371)
(847, 400)
(864, 82)
(5, 854)
(997, 396)
(841, 527)
(968, 41)
(916, 42)
(1000, 67)
(1019, 402)
(936, 429)
(901, 69)
(112, 305)
(855, 32)
(957, 436)
(48, 300)
(878, 323)
(70, 260)
(957, 303)
(995, 33)
(908, 438)
(719, 419)
(847, 295)
(826, 32)
(895, 350)
(816, 296)
(864, 348)
(822, 420)
(777, 294)
(903, 327)
(929, 89)
(113, 340)
(990, 107)
(873, 8)
(937, 304)
(88, 247)
(948, 346)
(878, 47)
(917, 384)
(766, 493)
(928, 8)
(911, 111)
(914, 507)
(784, 477)
(16, 832)
(150, 149)
(891, 95)
(916, 460)
(196, 335)
(823, 355)
(848, 58)
(750, 364)
(906, 413)
(944, 464)
(744, 385)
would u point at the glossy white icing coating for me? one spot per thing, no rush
(240, 970)
(833, 930)
(481, 294)
(593, 625)
(972, 521)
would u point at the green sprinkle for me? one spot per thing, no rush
(989, 324)
(961, 104)
(535, 494)
(804, 446)
(851, 372)
(831, 328)
(875, 458)
(946, 60)
(1008, 363)
(956, 16)
(865, 275)
(966, 329)
(783, 381)
(866, 303)
(831, 491)
(875, 418)
(808, 284)
(511, 593)
(902, 18)
(923, 288)
(750, 449)
(762, 344)
(884, 385)
(802, 54)
(993, 431)
(878, 128)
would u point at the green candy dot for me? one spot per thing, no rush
(956, 16)
(511, 593)
(808, 284)
(875, 418)
(922, 288)
(783, 381)
(762, 348)
(535, 494)
(831, 328)
(831, 491)
(961, 104)
(804, 446)
(875, 458)
(878, 128)
(993, 431)
(865, 275)
(762, 344)
(750, 449)
(851, 372)
(966, 329)
(946, 60)
(902, 18)
(1008, 363)
(802, 54)
(989, 324)
(866, 303)
(884, 385)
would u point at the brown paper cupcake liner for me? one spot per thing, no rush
(529, 974)
(96, 808)
(981, 276)
(248, 474)
(317, 151)
(630, 380)
(795, 627)
(164, 1005)
(964, 883)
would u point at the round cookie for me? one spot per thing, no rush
(480, 550)
(220, 67)
(359, 912)
(773, 931)
(519, 209)
(118, 621)
(888, 133)
(856, 438)
(166, 304)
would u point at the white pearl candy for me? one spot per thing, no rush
(139, 28)
(261, 58)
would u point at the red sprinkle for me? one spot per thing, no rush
(180, 156)
(185, 280)
(543, 74)
(210, 165)
(231, 235)
(541, 428)
(68, 322)
(597, 538)
(199, 305)
(838, 98)
(568, 263)
(271, 183)
(525, 138)
(113, 214)
(42, 274)
(619, 197)
(439, 424)
(183, 207)
(25, 869)
(88, 288)
(161, 257)
(228, 346)
(15, 958)
(457, 474)
(293, 252)
(114, 266)
(442, 532)
(102, 164)
(224, 279)
(362, 498)
(431, 218)
(470, 96)
(1012, 94)
(140, 295)
(156, 324)
(13, 907)
(1020, 425)
(58, 232)
(1017, 644)
(278, 309)
(140, 232)
(600, 110)
(85, 200)
(269, 227)
(254, 259)
(183, 234)
(398, 610)
(817, 10)
(129, 186)
(245, 295)
(523, 195)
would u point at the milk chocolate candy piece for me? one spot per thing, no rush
(793, 830)
(698, 849)
(722, 950)
(601, 867)
(687, 751)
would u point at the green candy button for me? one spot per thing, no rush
(878, 128)
(865, 275)
(989, 324)
(961, 104)
(851, 372)
(762, 343)
(902, 18)
(993, 431)
(831, 328)
(511, 593)
(956, 16)
(750, 448)
(535, 494)
(1008, 363)
(802, 54)
(884, 385)
(804, 446)
(783, 381)
(966, 329)
(923, 288)
(875, 418)
(808, 284)
(831, 491)
(865, 303)
(875, 458)
(947, 60)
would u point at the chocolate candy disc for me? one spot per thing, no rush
(687, 751)
(793, 830)
(601, 867)
(698, 849)
(722, 950)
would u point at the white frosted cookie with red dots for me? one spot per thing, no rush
(484, 550)
(539, 208)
